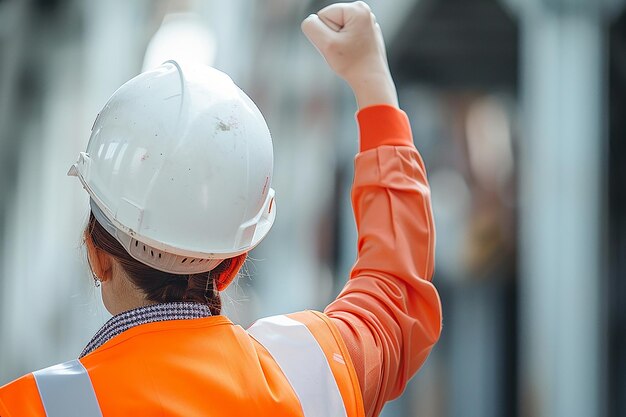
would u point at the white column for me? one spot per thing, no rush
(562, 202)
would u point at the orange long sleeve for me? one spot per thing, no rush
(389, 313)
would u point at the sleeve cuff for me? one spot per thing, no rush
(383, 125)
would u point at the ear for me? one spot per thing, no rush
(99, 260)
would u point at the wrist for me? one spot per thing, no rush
(374, 88)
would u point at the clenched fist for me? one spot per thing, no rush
(348, 37)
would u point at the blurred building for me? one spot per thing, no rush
(516, 106)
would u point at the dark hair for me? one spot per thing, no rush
(159, 286)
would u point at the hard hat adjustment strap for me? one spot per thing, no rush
(151, 256)
(206, 289)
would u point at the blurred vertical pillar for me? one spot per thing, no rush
(78, 53)
(563, 75)
(14, 29)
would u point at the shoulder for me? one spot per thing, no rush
(304, 328)
(21, 398)
(307, 347)
(59, 390)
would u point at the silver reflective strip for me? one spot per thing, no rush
(303, 362)
(66, 391)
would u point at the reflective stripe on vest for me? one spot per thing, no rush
(66, 391)
(303, 362)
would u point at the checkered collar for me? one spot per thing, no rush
(143, 315)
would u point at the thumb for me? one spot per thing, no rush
(318, 33)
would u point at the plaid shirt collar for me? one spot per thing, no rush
(143, 315)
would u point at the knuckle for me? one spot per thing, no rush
(361, 10)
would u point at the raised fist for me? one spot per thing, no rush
(348, 37)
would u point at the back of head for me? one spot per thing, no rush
(162, 287)
(178, 168)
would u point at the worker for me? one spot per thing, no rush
(178, 169)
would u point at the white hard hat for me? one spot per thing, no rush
(179, 169)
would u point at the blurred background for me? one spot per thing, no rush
(518, 107)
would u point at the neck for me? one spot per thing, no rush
(119, 294)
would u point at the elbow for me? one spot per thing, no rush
(435, 318)
(427, 314)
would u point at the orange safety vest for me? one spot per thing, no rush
(287, 365)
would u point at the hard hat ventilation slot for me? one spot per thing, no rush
(169, 262)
